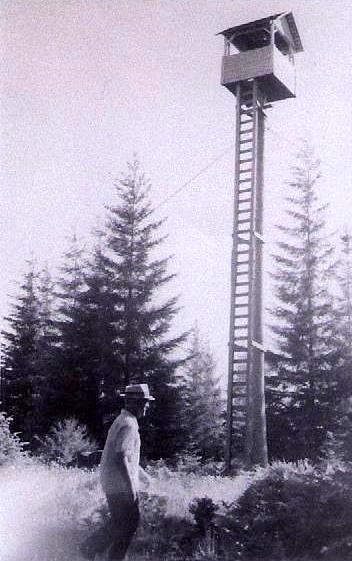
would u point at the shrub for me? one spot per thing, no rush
(11, 447)
(203, 511)
(65, 441)
(306, 512)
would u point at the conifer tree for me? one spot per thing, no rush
(97, 308)
(339, 442)
(67, 383)
(204, 406)
(47, 348)
(345, 300)
(144, 350)
(21, 384)
(302, 396)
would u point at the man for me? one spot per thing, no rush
(120, 473)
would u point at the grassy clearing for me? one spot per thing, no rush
(46, 511)
(285, 511)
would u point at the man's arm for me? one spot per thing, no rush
(124, 463)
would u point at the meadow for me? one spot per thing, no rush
(46, 511)
(286, 511)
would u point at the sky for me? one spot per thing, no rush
(85, 84)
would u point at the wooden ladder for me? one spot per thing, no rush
(246, 364)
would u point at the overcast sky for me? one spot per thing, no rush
(86, 83)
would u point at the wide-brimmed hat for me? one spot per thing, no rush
(138, 391)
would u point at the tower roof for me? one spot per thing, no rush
(237, 34)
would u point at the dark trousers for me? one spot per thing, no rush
(117, 535)
(124, 523)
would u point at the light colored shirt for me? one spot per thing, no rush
(123, 440)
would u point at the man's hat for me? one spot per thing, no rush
(138, 391)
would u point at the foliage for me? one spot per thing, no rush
(11, 446)
(339, 440)
(67, 381)
(203, 404)
(22, 374)
(58, 508)
(70, 349)
(192, 464)
(144, 351)
(345, 300)
(65, 441)
(203, 510)
(304, 388)
(285, 511)
(292, 513)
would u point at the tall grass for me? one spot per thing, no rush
(47, 511)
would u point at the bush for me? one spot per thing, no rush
(65, 441)
(293, 513)
(203, 511)
(11, 447)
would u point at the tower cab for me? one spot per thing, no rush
(263, 49)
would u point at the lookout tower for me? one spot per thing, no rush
(258, 68)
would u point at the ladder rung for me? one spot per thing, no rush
(241, 316)
(241, 305)
(246, 160)
(243, 252)
(240, 361)
(238, 383)
(240, 349)
(242, 240)
(245, 140)
(246, 150)
(243, 220)
(244, 181)
(241, 273)
(243, 283)
(241, 338)
(243, 124)
(249, 200)
(246, 131)
(243, 232)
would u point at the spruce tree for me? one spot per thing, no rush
(47, 348)
(97, 309)
(339, 442)
(144, 350)
(22, 384)
(204, 407)
(345, 299)
(67, 383)
(302, 396)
